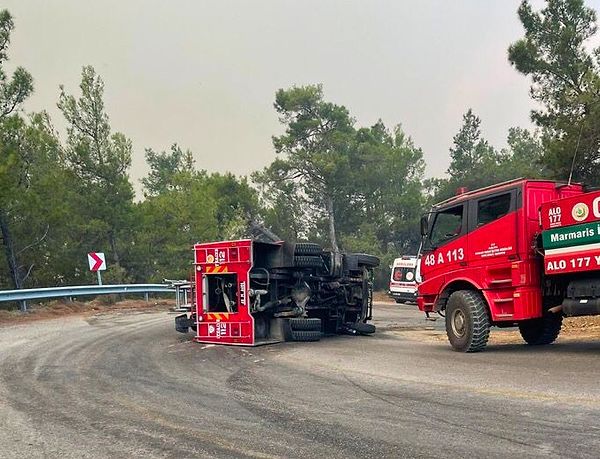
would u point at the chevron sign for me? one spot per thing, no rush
(97, 261)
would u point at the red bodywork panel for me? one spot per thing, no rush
(222, 327)
(498, 258)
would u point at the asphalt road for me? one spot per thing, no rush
(128, 385)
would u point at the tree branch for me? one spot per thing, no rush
(27, 274)
(33, 244)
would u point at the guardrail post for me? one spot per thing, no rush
(146, 297)
(23, 306)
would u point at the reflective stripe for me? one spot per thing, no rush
(217, 316)
(216, 269)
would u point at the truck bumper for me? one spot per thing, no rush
(404, 296)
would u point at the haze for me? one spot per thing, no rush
(204, 74)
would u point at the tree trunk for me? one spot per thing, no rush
(113, 246)
(9, 249)
(330, 214)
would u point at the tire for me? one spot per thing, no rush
(307, 248)
(542, 331)
(364, 328)
(305, 261)
(364, 259)
(467, 321)
(305, 324)
(306, 335)
(182, 323)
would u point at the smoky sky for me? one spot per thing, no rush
(204, 74)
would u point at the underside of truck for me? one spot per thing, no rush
(251, 292)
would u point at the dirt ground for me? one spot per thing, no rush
(382, 297)
(574, 328)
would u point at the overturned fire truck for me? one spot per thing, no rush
(250, 292)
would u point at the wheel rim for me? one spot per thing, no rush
(458, 321)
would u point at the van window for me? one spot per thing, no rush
(447, 225)
(491, 209)
(403, 274)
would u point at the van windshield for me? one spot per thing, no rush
(403, 274)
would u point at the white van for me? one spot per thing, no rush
(404, 278)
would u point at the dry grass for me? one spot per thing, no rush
(382, 297)
(574, 328)
(61, 308)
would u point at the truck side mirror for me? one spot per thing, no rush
(424, 226)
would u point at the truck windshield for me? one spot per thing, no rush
(447, 225)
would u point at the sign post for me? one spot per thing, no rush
(97, 263)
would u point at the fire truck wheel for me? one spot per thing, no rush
(307, 248)
(306, 335)
(304, 261)
(301, 323)
(544, 330)
(467, 321)
(364, 259)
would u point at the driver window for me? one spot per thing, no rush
(447, 225)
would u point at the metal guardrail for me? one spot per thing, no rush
(24, 295)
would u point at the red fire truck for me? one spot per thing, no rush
(251, 292)
(522, 253)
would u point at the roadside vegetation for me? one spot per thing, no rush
(347, 186)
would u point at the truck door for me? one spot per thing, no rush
(445, 248)
(493, 234)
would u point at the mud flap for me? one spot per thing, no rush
(183, 323)
(280, 330)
